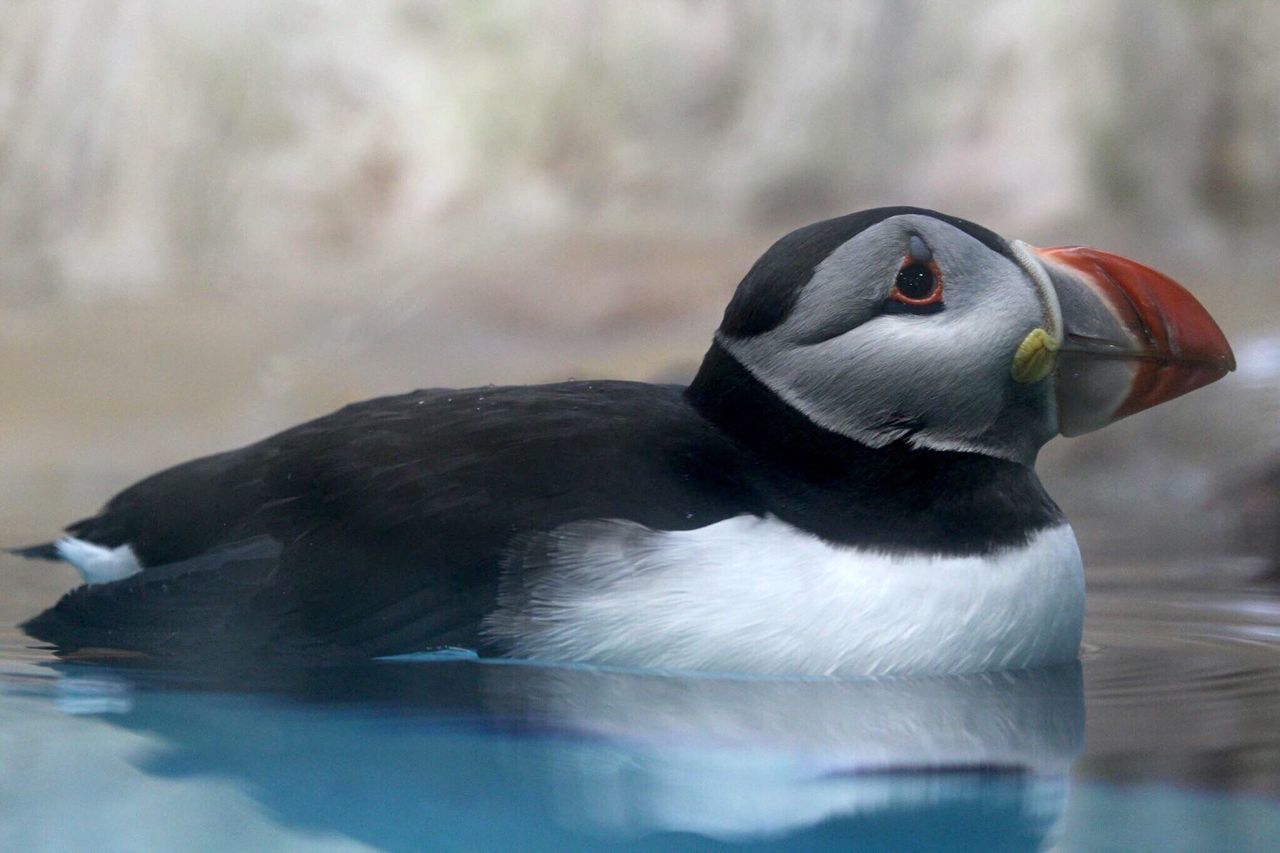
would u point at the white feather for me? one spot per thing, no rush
(757, 595)
(98, 563)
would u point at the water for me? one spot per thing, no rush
(1162, 738)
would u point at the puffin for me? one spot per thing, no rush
(847, 487)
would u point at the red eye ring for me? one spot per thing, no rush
(920, 273)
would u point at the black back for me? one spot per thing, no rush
(391, 516)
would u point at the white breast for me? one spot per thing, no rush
(757, 595)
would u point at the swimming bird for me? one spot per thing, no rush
(846, 487)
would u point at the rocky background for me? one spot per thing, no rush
(218, 217)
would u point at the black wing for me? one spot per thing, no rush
(389, 519)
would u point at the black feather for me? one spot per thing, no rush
(43, 551)
(391, 516)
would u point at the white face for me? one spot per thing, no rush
(857, 360)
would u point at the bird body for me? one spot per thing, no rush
(846, 487)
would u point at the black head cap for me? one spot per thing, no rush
(769, 291)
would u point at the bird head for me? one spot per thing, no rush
(906, 325)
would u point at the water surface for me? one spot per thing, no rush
(1162, 738)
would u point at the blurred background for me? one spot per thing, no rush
(220, 217)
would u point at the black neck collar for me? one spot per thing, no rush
(895, 496)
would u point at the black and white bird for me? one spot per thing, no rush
(846, 487)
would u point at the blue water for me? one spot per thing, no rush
(1164, 737)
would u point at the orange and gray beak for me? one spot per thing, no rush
(1132, 338)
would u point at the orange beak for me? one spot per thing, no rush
(1132, 338)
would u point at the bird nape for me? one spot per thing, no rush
(847, 487)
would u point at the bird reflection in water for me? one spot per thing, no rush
(398, 754)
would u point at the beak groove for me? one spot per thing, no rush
(1160, 342)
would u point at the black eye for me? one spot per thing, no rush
(915, 282)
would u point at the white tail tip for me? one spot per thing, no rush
(97, 563)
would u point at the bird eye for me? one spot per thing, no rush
(918, 284)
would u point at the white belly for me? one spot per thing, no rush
(756, 595)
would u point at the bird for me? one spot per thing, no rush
(846, 487)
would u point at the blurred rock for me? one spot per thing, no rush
(1246, 496)
(1255, 505)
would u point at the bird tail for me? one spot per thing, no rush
(43, 551)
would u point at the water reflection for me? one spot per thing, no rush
(1182, 685)
(476, 755)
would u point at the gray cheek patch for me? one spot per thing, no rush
(939, 379)
(848, 288)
